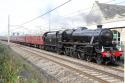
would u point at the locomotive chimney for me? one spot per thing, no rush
(99, 26)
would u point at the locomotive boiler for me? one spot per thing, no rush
(102, 36)
(88, 44)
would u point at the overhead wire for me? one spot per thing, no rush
(46, 12)
(57, 8)
(43, 14)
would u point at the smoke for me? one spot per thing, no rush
(58, 20)
(67, 22)
(72, 21)
(93, 19)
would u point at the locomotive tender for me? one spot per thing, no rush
(91, 45)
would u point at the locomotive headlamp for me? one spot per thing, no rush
(120, 49)
(102, 49)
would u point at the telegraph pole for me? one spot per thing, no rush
(8, 30)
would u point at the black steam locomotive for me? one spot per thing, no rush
(91, 45)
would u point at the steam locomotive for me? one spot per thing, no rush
(87, 44)
(90, 45)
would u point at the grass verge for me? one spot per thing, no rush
(14, 69)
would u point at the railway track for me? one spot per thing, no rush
(117, 69)
(98, 73)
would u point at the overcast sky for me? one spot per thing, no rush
(21, 11)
